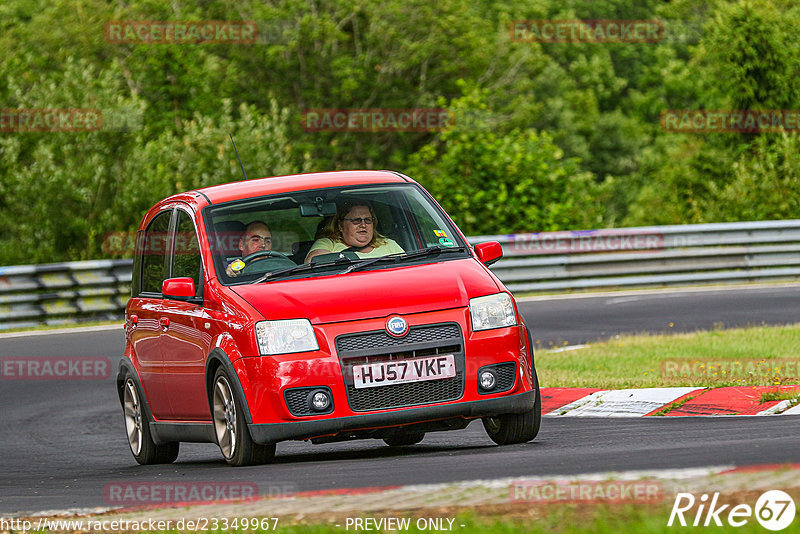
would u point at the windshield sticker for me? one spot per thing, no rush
(440, 233)
(445, 242)
(237, 266)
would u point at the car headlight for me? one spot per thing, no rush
(283, 337)
(492, 311)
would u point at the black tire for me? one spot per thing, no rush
(137, 427)
(516, 428)
(408, 438)
(230, 426)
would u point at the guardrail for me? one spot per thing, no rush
(649, 256)
(534, 262)
(63, 293)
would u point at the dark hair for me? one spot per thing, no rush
(332, 231)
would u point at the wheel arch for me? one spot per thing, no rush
(126, 368)
(218, 358)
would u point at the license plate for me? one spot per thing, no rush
(371, 375)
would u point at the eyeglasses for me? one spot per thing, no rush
(257, 239)
(358, 221)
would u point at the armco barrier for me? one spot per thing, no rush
(533, 262)
(649, 256)
(61, 293)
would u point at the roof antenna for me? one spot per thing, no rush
(237, 156)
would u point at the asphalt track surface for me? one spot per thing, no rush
(62, 442)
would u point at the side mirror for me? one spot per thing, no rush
(489, 252)
(178, 288)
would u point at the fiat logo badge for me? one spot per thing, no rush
(397, 326)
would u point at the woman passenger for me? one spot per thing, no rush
(353, 229)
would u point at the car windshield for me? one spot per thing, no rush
(328, 231)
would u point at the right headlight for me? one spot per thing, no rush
(283, 337)
(492, 311)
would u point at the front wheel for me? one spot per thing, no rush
(516, 427)
(230, 427)
(137, 427)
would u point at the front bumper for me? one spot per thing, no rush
(266, 379)
(274, 432)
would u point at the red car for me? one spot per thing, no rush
(322, 307)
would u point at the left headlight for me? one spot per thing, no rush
(283, 337)
(492, 311)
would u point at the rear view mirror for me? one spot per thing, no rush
(178, 288)
(318, 208)
(489, 252)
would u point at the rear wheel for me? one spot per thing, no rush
(144, 449)
(230, 427)
(516, 427)
(408, 438)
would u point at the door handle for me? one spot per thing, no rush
(164, 322)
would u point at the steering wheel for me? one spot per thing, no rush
(261, 254)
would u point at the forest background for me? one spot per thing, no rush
(547, 136)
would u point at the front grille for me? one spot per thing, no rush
(370, 341)
(378, 346)
(409, 394)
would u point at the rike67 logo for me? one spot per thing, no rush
(774, 510)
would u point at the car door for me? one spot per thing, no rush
(185, 340)
(145, 312)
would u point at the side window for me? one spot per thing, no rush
(154, 253)
(136, 278)
(186, 260)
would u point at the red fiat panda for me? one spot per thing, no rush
(322, 307)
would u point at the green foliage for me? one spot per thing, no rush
(765, 184)
(556, 136)
(517, 182)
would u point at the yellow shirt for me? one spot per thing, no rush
(390, 247)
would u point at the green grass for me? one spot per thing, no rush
(792, 395)
(645, 360)
(674, 406)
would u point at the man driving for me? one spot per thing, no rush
(256, 237)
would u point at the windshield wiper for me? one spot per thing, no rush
(357, 264)
(430, 251)
(302, 268)
(364, 263)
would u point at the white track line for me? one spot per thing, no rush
(58, 331)
(661, 291)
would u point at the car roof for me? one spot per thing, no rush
(296, 182)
